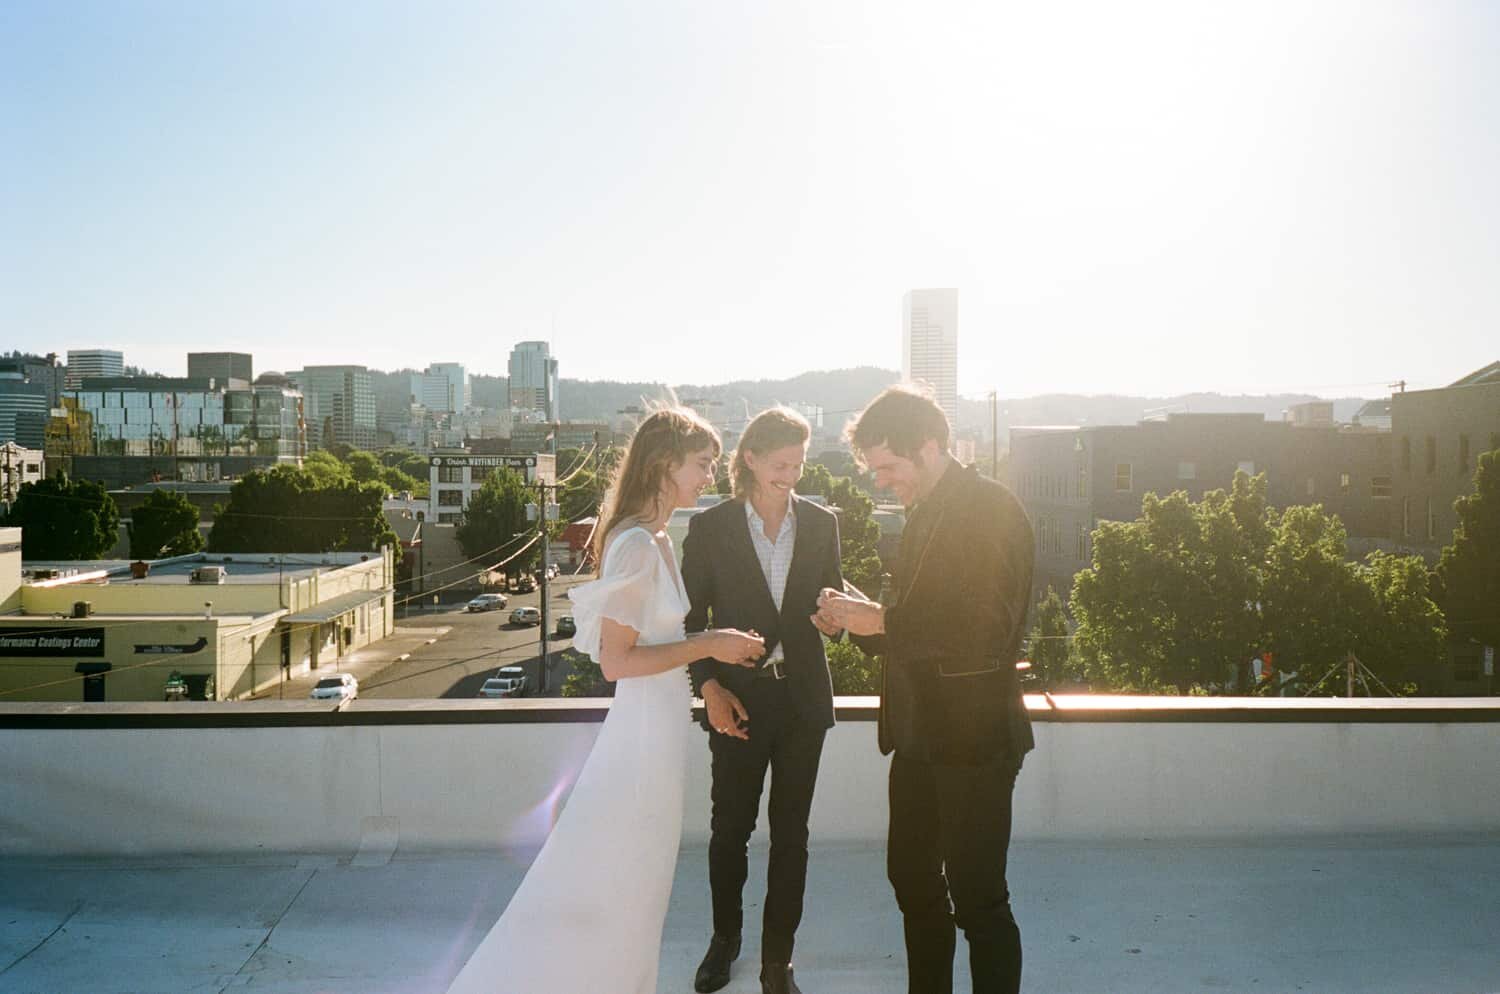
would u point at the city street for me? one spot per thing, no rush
(472, 648)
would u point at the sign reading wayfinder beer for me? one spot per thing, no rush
(51, 641)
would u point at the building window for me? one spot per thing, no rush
(1463, 453)
(1311, 487)
(450, 517)
(1406, 453)
(450, 474)
(1406, 517)
(450, 498)
(1187, 471)
(1345, 484)
(1122, 477)
(1431, 455)
(1081, 478)
(1380, 486)
(1431, 521)
(1083, 541)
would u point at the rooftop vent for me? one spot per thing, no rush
(209, 574)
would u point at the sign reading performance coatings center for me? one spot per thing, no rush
(51, 641)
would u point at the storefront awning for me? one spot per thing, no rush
(332, 608)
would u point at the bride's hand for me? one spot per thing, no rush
(730, 645)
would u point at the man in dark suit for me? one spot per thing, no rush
(757, 562)
(950, 706)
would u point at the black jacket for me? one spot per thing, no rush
(728, 589)
(950, 693)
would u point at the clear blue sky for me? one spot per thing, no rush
(1135, 198)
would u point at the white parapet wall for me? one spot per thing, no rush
(184, 778)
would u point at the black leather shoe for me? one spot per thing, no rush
(776, 978)
(713, 972)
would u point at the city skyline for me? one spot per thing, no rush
(1152, 206)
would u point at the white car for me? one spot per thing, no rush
(526, 616)
(508, 681)
(336, 688)
(486, 602)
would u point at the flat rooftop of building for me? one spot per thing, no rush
(248, 567)
(1333, 916)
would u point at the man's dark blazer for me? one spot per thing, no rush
(727, 588)
(950, 693)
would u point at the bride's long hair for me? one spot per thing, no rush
(661, 444)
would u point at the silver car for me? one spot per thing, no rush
(343, 687)
(508, 681)
(486, 602)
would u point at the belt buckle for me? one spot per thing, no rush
(773, 670)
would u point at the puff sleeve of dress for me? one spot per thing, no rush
(623, 593)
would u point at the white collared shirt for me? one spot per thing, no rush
(775, 557)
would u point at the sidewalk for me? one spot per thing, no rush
(364, 662)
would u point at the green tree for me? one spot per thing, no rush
(497, 514)
(1049, 651)
(325, 468)
(816, 480)
(285, 509)
(364, 466)
(396, 481)
(1469, 572)
(1169, 600)
(585, 678)
(1406, 632)
(854, 673)
(858, 533)
(1314, 603)
(64, 519)
(165, 524)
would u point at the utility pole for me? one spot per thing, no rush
(994, 435)
(541, 681)
(545, 490)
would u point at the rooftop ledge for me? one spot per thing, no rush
(1162, 845)
(1106, 708)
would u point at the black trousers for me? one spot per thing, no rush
(949, 836)
(791, 749)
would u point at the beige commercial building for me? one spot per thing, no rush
(228, 625)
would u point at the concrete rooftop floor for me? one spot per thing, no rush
(1362, 916)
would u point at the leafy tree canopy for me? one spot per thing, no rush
(285, 509)
(1184, 596)
(64, 519)
(496, 515)
(1049, 651)
(165, 524)
(1469, 571)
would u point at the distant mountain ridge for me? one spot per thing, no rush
(843, 392)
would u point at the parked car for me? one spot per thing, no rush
(525, 583)
(486, 602)
(566, 628)
(336, 688)
(526, 616)
(508, 681)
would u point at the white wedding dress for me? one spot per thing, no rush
(588, 917)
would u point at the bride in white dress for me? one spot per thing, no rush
(587, 919)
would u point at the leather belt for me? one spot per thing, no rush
(771, 671)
